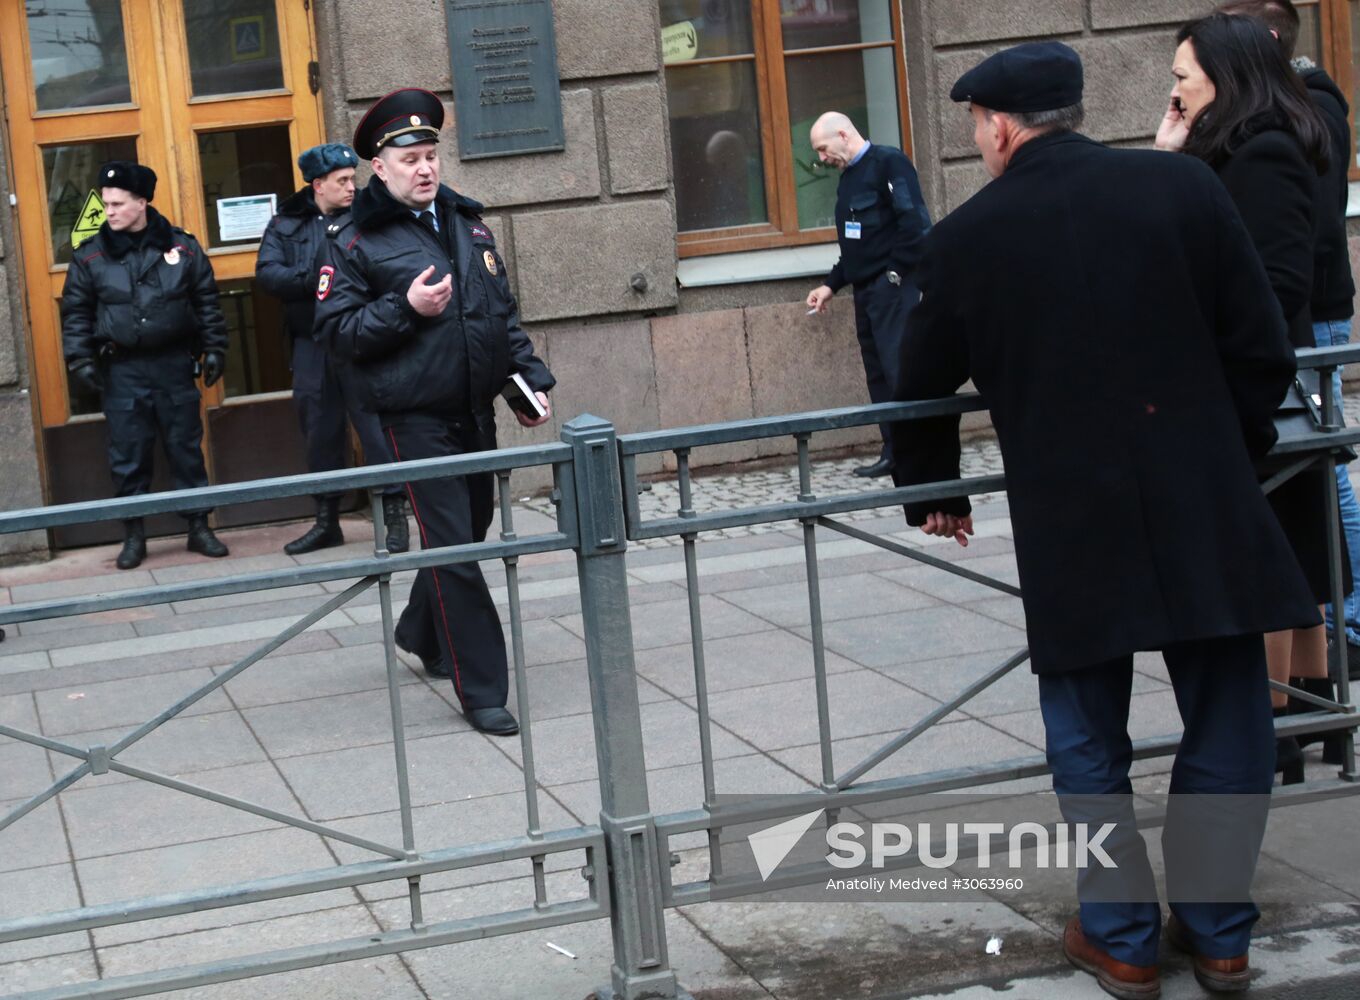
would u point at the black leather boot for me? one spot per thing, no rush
(1288, 756)
(324, 534)
(1333, 746)
(394, 515)
(134, 544)
(202, 540)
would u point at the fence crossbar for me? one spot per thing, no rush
(921, 557)
(313, 483)
(948, 708)
(588, 839)
(373, 945)
(58, 786)
(274, 579)
(245, 805)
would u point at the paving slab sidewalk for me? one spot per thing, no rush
(305, 732)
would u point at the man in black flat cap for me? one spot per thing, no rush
(881, 223)
(138, 311)
(1110, 309)
(287, 268)
(415, 297)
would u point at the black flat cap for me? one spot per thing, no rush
(131, 177)
(1038, 76)
(402, 118)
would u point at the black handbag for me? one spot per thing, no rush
(1300, 414)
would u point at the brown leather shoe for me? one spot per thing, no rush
(1119, 979)
(1217, 975)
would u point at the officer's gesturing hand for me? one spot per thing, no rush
(430, 300)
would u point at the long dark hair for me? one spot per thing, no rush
(1255, 89)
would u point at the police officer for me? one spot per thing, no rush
(287, 268)
(138, 310)
(881, 219)
(1110, 307)
(415, 297)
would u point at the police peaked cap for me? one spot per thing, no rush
(131, 177)
(402, 118)
(321, 160)
(1037, 76)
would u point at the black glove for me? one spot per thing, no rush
(85, 375)
(213, 366)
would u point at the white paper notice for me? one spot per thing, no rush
(244, 218)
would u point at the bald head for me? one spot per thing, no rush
(835, 139)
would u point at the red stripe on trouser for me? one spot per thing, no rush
(434, 575)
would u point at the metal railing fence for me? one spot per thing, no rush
(627, 856)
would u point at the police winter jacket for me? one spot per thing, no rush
(1132, 355)
(286, 267)
(158, 295)
(455, 362)
(1333, 285)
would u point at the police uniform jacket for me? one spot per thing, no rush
(882, 195)
(456, 362)
(287, 264)
(1111, 310)
(149, 298)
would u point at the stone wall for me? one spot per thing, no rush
(20, 478)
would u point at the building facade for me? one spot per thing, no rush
(660, 257)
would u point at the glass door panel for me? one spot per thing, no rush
(233, 46)
(78, 55)
(241, 170)
(69, 175)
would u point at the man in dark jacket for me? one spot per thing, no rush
(138, 310)
(287, 268)
(1110, 308)
(416, 298)
(1333, 300)
(881, 220)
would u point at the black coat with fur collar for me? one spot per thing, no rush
(148, 297)
(456, 362)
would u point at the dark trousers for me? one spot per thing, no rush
(324, 400)
(450, 611)
(881, 313)
(148, 396)
(1228, 749)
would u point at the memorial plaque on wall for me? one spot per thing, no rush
(506, 94)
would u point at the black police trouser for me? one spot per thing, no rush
(450, 611)
(323, 401)
(882, 310)
(145, 396)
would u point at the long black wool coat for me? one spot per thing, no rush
(1110, 308)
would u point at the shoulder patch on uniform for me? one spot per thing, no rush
(323, 283)
(481, 231)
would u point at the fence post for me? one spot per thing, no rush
(641, 968)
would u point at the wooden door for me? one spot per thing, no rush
(217, 97)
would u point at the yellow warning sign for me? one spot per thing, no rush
(90, 219)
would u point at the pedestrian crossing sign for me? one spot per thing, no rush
(88, 222)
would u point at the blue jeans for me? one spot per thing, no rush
(1333, 333)
(1228, 748)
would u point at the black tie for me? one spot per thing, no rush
(427, 220)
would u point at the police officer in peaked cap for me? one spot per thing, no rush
(138, 312)
(287, 267)
(416, 299)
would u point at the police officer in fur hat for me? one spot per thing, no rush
(139, 318)
(415, 297)
(287, 268)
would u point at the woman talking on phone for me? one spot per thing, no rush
(1238, 105)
